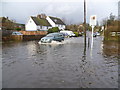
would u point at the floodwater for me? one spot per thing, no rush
(29, 64)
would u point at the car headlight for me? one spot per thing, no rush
(42, 39)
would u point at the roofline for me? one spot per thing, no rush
(58, 18)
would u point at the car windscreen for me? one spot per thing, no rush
(49, 36)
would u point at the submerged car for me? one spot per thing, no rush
(52, 37)
(97, 33)
(68, 33)
(17, 33)
(94, 34)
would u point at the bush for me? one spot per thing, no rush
(76, 34)
(18, 29)
(54, 29)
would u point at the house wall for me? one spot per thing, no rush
(30, 25)
(43, 28)
(60, 26)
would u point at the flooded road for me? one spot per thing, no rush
(32, 65)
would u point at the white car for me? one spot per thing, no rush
(98, 34)
(68, 33)
(17, 33)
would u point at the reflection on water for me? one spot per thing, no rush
(68, 65)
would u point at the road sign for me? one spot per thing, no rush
(93, 21)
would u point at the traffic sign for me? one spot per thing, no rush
(93, 20)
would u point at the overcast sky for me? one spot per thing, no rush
(69, 10)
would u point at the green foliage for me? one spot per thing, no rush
(112, 27)
(76, 34)
(54, 29)
(89, 28)
(18, 29)
(72, 27)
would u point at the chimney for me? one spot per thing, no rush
(42, 16)
(6, 17)
(39, 16)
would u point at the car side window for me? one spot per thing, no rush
(60, 35)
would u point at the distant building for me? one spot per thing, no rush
(119, 10)
(43, 22)
(37, 23)
(6, 24)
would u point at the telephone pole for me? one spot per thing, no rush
(85, 23)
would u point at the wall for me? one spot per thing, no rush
(12, 38)
(32, 37)
(7, 32)
(60, 26)
(30, 25)
(33, 32)
(44, 28)
(21, 38)
(27, 35)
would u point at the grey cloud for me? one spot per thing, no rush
(72, 12)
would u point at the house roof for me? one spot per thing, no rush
(40, 21)
(57, 20)
(4, 20)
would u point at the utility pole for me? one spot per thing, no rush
(85, 23)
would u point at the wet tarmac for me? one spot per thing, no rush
(66, 65)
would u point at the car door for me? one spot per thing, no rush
(56, 37)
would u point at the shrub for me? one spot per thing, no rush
(76, 34)
(18, 29)
(54, 29)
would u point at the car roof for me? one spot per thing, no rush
(16, 32)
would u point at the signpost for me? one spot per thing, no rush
(93, 20)
(93, 23)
